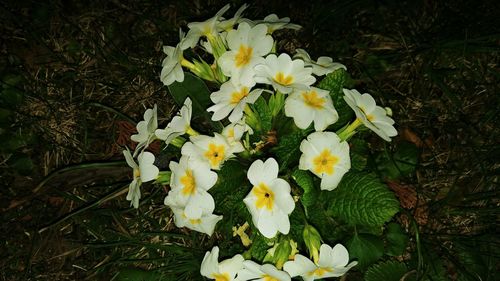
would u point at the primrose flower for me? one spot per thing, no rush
(179, 125)
(372, 116)
(266, 272)
(332, 263)
(312, 105)
(212, 150)
(146, 129)
(231, 100)
(323, 66)
(269, 201)
(247, 46)
(172, 65)
(284, 74)
(205, 224)
(223, 271)
(326, 156)
(206, 28)
(234, 131)
(190, 182)
(143, 171)
(273, 23)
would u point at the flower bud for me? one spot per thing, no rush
(312, 239)
(279, 254)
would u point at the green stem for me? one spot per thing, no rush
(348, 132)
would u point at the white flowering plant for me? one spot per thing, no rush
(267, 155)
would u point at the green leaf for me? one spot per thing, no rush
(305, 181)
(335, 82)
(194, 88)
(12, 97)
(386, 271)
(401, 163)
(361, 199)
(288, 149)
(136, 274)
(10, 80)
(231, 188)
(259, 247)
(359, 154)
(396, 239)
(366, 248)
(265, 116)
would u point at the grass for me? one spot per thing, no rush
(88, 71)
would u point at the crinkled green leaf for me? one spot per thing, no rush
(305, 181)
(362, 199)
(288, 149)
(386, 271)
(259, 247)
(194, 88)
(396, 239)
(231, 188)
(264, 114)
(359, 154)
(335, 82)
(365, 248)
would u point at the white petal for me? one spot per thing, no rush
(210, 262)
(300, 266)
(232, 265)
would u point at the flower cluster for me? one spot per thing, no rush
(333, 262)
(247, 67)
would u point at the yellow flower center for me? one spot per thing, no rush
(215, 154)
(137, 173)
(283, 79)
(313, 100)
(243, 56)
(370, 117)
(196, 221)
(267, 277)
(324, 162)
(230, 134)
(221, 277)
(237, 96)
(265, 196)
(189, 183)
(320, 271)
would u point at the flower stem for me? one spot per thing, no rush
(190, 131)
(348, 132)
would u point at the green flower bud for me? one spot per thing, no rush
(279, 254)
(164, 177)
(312, 239)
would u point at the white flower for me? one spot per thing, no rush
(372, 116)
(212, 150)
(308, 106)
(223, 271)
(323, 66)
(267, 272)
(247, 46)
(143, 172)
(332, 263)
(231, 100)
(190, 182)
(205, 224)
(206, 28)
(325, 156)
(284, 74)
(146, 129)
(274, 23)
(234, 131)
(269, 201)
(172, 65)
(179, 124)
